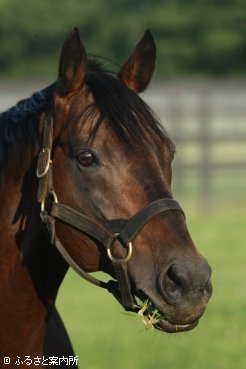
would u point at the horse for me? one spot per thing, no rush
(86, 183)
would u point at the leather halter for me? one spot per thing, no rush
(121, 230)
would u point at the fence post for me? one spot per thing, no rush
(206, 149)
(177, 128)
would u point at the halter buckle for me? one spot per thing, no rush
(43, 162)
(55, 199)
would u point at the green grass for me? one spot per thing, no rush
(103, 336)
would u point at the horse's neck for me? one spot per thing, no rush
(17, 209)
(30, 268)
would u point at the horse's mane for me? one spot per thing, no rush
(129, 116)
(19, 124)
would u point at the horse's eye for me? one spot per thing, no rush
(86, 158)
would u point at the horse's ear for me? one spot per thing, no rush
(137, 71)
(73, 64)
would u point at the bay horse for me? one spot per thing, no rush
(86, 182)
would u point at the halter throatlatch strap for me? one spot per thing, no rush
(121, 230)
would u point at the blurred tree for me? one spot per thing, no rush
(194, 37)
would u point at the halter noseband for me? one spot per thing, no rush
(121, 230)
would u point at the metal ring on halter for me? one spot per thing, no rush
(124, 260)
(55, 199)
(43, 162)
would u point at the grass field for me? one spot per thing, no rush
(103, 336)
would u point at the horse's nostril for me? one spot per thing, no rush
(176, 276)
(184, 281)
(172, 284)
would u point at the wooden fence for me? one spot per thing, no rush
(207, 121)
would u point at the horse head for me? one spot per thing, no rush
(111, 169)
